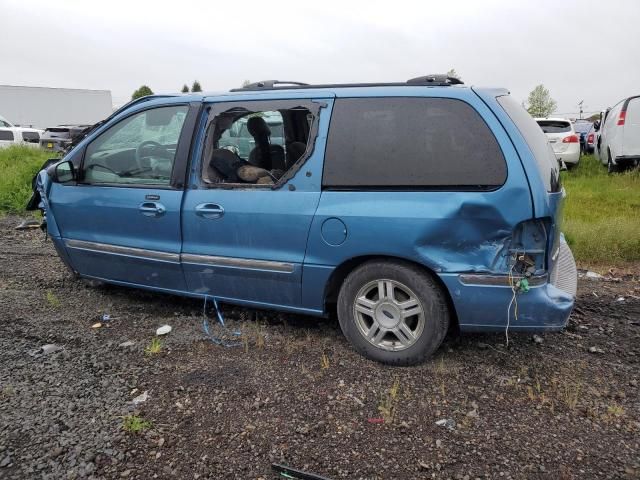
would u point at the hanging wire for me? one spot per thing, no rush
(205, 326)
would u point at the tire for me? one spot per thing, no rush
(396, 338)
(611, 168)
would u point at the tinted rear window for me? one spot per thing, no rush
(30, 136)
(554, 126)
(410, 142)
(6, 135)
(536, 140)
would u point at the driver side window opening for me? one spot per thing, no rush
(140, 149)
(255, 144)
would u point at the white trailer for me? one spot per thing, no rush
(42, 107)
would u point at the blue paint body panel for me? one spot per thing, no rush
(311, 232)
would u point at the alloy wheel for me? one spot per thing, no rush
(389, 315)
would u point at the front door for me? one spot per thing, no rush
(121, 220)
(244, 239)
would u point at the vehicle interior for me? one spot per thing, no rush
(139, 150)
(255, 147)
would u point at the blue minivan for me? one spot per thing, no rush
(407, 209)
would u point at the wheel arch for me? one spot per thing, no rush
(337, 277)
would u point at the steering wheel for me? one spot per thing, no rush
(141, 147)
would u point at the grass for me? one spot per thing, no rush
(602, 213)
(324, 362)
(52, 300)
(18, 165)
(387, 405)
(135, 424)
(154, 347)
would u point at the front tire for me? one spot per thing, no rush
(393, 312)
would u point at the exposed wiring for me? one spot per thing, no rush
(513, 300)
(521, 286)
(205, 325)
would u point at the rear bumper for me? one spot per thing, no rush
(54, 144)
(483, 301)
(484, 307)
(628, 160)
(570, 155)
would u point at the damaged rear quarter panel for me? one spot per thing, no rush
(447, 231)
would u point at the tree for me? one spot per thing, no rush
(246, 83)
(143, 91)
(452, 73)
(185, 89)
(540, 103)
(196, 86)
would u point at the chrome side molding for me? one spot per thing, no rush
(209, 260)
(500, 280)
(246, 263)
(119, 250)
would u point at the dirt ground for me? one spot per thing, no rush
(294, 392)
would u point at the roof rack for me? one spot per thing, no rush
(441, 80)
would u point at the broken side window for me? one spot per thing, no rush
(258, 142)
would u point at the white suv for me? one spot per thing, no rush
(563, 139)
(12, 135)
(620, 135)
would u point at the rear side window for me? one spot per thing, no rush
(554, 126)
(411, 142)
(6, 135)
(31, 137)
(536, 140)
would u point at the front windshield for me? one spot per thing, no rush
(5, 123)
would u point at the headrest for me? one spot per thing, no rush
(258, 127)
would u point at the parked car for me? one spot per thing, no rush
(620, 135)
(563, 139)
(58, 139)
(12, 135)
(582, 127)
(406, 208)
(591, 138)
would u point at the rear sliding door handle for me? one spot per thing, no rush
(209, 210)
(152, 209)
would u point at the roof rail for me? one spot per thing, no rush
(441, 80)
(269, 84)
(437, 78)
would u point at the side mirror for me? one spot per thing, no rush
(596, 125)
(64, 172)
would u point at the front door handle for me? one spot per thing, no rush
(152, 209)
(209, 210)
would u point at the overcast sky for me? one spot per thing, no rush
(580, 50)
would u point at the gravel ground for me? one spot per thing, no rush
(559, 407)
